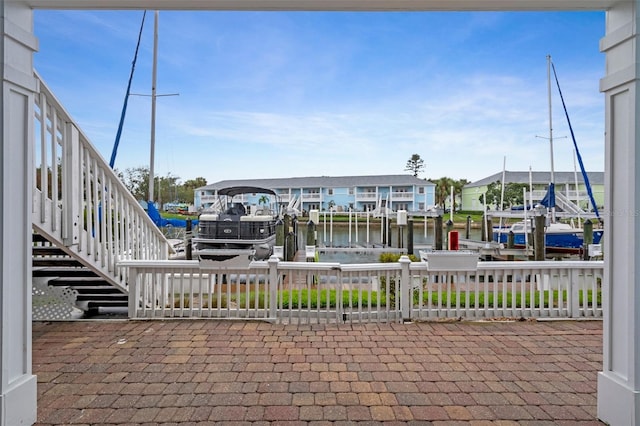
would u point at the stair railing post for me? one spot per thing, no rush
(405, 288)
(273, 287)
(71, 178)
(574, 293)
(134, 290)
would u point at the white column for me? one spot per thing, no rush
(17, 385)
(619, 382)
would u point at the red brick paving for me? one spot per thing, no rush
(220, 372)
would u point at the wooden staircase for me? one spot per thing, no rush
(84, 219)
(59, 269)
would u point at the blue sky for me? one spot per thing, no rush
(289, 94)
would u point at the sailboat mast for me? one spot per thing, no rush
(553, 208)
(153, 105)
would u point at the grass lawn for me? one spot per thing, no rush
(313, 299)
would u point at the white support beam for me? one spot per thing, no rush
(619, 382)
(329, 5)
(17, 385)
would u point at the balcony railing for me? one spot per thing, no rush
(366, 196)
(388, 292)
(311, 197)
(284, 197)
(401, 196)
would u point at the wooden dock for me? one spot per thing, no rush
(494, 250)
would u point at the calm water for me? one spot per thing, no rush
(357, 237)
(341, 237)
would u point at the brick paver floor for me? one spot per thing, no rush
(207, 372)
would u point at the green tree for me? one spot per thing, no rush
(415, 164)
(136, 179)
(195, 183)
(443, 189)
(166, 188)
(185, 191)
(491, 195)
(512, 195)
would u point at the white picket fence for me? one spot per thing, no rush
(302, 292)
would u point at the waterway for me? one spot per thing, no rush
(341, 236)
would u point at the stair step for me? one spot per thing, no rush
(63, 272)
(100, 297)
(86, 285)
(93, 280)
(105, 291)
(107, 304)
(48, 251)
(55, 262)
(38, 238)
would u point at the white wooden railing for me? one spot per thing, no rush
(78, 201)
(330, 292)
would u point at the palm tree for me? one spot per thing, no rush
(443, 189)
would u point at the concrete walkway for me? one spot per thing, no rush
(208, 372)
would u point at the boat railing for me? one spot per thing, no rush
(311, 292)
(246, 228)
(79, 203)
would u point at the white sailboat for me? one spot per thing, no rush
(559, 237)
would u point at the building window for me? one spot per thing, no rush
(350, 191)
(421, 190)
(330, 191)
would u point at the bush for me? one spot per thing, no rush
(395, 257)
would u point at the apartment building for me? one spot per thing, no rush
(337, 193)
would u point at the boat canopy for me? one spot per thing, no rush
(549, 199)
(236, 190)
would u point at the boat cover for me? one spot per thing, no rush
(236, 190)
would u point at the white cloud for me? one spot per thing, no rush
(268, 95)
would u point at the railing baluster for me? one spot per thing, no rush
(101, 218)
(43, 158)
(54, 170)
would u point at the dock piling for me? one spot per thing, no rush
(587, 238)
(538, 236)
(188, 235)
(438, 236)
(410, 236)
(467, 233)
(511, 237)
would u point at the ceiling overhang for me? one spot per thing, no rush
(329, 5)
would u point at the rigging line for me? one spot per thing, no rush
(126, 97)
(575, 145)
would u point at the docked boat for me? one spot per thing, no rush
(559, 237)
(234, 230)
